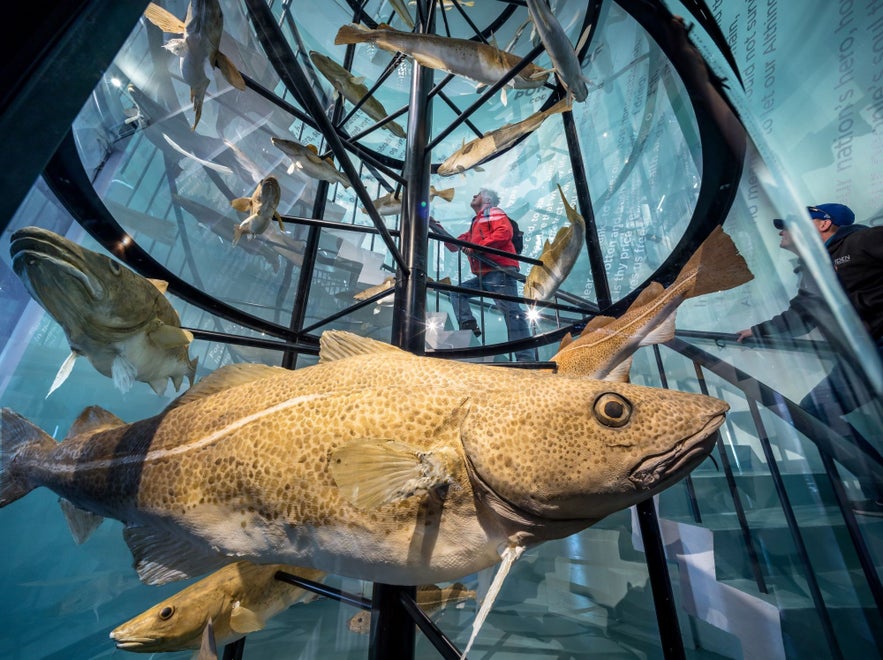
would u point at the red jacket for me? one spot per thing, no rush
(490, 228)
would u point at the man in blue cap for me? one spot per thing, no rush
(856, 253)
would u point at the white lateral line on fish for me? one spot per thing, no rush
(195, 444)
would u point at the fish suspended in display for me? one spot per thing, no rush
(558, 257)
(353, 89)
(375, 464)
(238, 599)
(480, 62)
(391, 203)
(261, 207)
(201, 30)
(306, 159)
(119, 321)
(481, 149)
(430, 598)
(564, 57)
(606, 346)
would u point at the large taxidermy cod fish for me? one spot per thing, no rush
(119, 321)
(374, 464)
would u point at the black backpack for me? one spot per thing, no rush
(517, 234)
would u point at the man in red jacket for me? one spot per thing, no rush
(494, 273)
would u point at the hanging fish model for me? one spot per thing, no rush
(306, 159)
(374, 463)
(121, 322)
(391, 203)
(558, 257)
(353, 89)
(471, 59)
(239, 598)
(605, 347)
(261, 207)
(557, 45)
(430, 598)
(201, 30)
(480, 149)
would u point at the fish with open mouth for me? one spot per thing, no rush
(558, 257)
(480, 62)
(606, 346)
(374, 463)
(119, 321)
(353, 89)
(261, 207)
(306, 159)
(238, 599)
(201, 38)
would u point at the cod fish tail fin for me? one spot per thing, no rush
(17, 435)
(352, 34)
(715, 266)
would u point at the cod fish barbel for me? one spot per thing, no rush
(558, 257)
(605, 347)
(480, 149)
(238, 599)
(306, 159)
(121, 322)
(261, 207)
(374, 464)
(201, 30)
(471, 59)
(353, 89)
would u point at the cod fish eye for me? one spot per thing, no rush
(166, 613)
(611, 409)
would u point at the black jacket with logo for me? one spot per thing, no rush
(857, 254)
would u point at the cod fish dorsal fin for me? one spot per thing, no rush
(161, 557)
(649, 293)
(81, 522)
(225, 378)
(339, 344)
(244, 620)
(93, 419)
(372, 472)
(596, 323)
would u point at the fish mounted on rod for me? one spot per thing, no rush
(201, 38)
(374, 463)
(606, 346)
(558, 257)
(119, 321)
(391, 203)
(489, 145)
(353, 89)
(480, 62)
(238, 599)
(563, 55)
(261, 207)
(306, 159)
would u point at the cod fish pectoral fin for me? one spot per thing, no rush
(170, 336)
(63, 372)
(371, 472)
(81, 522)
(208, 647)
(161, 557)
(243, 620)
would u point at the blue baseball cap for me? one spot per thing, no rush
(840, 214)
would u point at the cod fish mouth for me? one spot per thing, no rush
(684, 456)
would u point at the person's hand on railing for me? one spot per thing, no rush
(742, 335)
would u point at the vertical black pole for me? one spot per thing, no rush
(392, 628)
(663, 598)
(593, 244)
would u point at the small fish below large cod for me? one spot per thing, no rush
(238, 599)
(119, 321)
(374, 464)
